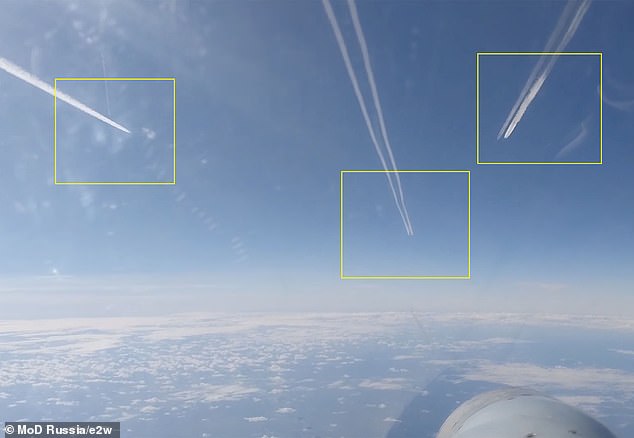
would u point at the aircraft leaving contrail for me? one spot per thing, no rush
(569, 20)
(398, 199)
(20, 73)
(377, 103)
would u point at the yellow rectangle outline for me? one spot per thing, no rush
(405, 277)
(599, 54)
(111, 183)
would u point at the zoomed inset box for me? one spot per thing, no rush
(564, 111)
(377, 246)
(140, 130)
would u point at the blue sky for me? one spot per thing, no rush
(267, 118)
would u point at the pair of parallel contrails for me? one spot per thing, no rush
(565, 29)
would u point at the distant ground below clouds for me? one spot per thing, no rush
(307, 375)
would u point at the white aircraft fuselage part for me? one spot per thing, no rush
(520, 413)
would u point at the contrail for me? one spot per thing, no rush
(377, 103)
(20, 73)
(565, 29)
(400, 205)
(105, 83)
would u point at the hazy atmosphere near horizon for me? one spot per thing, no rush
(212, 280)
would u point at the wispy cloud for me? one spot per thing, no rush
(575, 142)
(622, 88)
(623, 105)
(239, 249)
(27, 77)
(148, 133)
(255, 419)
(626, 352)
(204, 392)
(588, 380)
(565, 29)
(387, 384)
(392, 177)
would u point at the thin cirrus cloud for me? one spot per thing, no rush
(624, 89)
(623, 105)
(27, 77)
(573, 144)
(565, 29)
(392, 177)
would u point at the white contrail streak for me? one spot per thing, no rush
(20, 73)
(105, 83)
(377, 104)
(355, 85)
(565, 29)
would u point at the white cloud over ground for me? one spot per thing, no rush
(384, 384)
(557, 377)
(213, 393)
(256, 419)
(169, 364)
